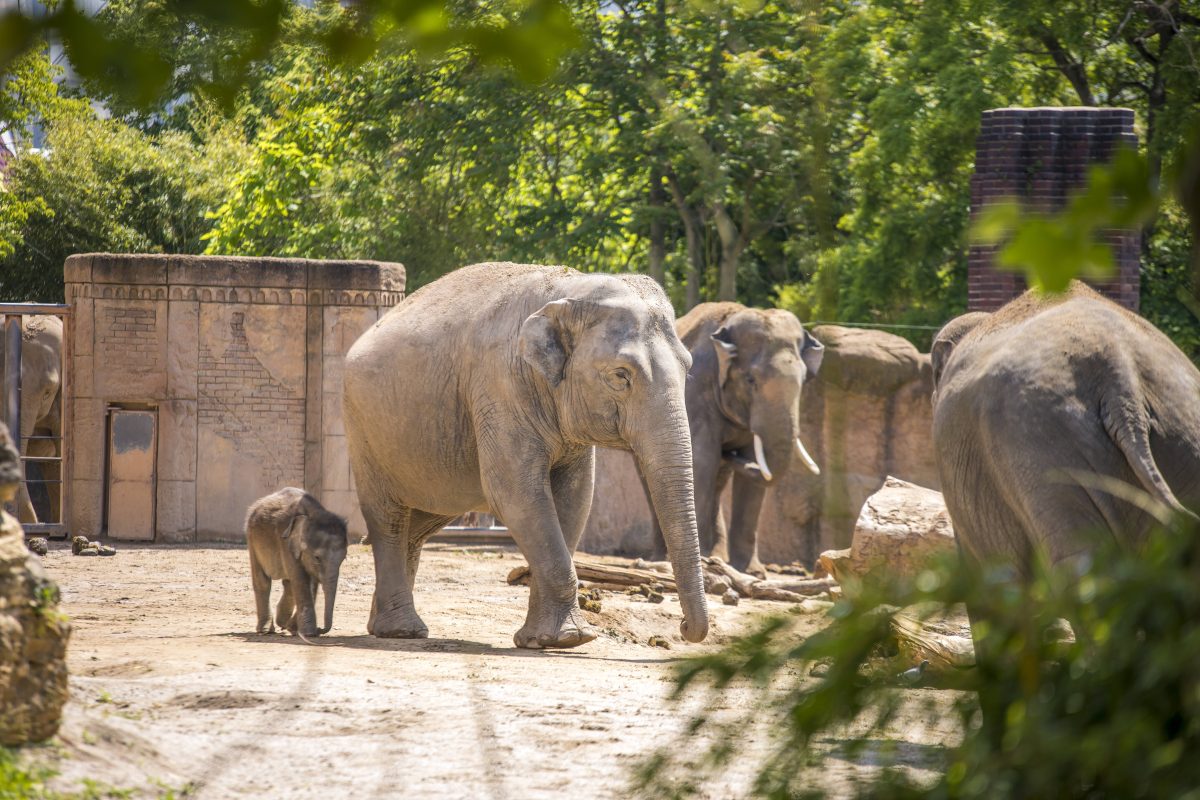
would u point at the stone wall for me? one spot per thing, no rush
(239, 358)
(1039, 156)
(866, 416)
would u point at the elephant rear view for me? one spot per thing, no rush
(486, 391)
(1045, 410)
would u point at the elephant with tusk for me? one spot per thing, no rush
(487, 390)
(743, 402)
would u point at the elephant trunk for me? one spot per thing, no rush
(329, 590)
(665, 456)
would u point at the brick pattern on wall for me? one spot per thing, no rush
(241, 401)
(1040, 156)
(129, 338)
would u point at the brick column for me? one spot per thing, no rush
(1040, 156)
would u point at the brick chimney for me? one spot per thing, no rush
(1040, 156)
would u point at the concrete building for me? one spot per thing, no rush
(200, 383)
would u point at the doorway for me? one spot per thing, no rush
(129, 496)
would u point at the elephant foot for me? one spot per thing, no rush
(571, 631)
(265, 628)
(397, 625)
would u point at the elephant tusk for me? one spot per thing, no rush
(808, 460)
(761, 459)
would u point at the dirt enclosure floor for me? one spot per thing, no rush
(173, 692)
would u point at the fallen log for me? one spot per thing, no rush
(944, 643)
(759, 589)
(600, 573)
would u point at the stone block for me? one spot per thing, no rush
(175, 514)
(343, 326)
(183, 348)
(83, 328)
(177, 422)
(87, 439)
(356, 276)
(129, 269)
(131, 349)
(237, 271)
(82, 376)
(86, 507)
(78, 268)
(335, 462)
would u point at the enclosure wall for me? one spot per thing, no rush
(241, 361)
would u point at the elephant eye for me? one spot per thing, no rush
(619, 379)
(751, 381)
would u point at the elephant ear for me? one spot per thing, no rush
(287, 532)
(544, 342)
(726, 352)
(939, 354)
(812, 353)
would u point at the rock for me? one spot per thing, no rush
(658, 641)
(38, 545)
(105, 550)
(902, 528)
(731, 598)
(90, 550)
(33, 635)
(78, 543)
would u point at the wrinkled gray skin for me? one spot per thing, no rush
(1035, 407)
(748, 368)
(41, 384)
(293, 538)
(1045, 385)
(486, 390)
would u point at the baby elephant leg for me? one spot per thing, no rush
(285, 612)
(262, 597)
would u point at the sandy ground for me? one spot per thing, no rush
(173, 691)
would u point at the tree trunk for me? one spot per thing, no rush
(658, 245)
(733, 242)
(692, 229)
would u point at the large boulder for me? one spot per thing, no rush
(33, 631)
(866, 416)
(902, 529)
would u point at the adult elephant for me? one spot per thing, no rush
(486, 390)
(41, 398)
(1044, 406)
(743, 404)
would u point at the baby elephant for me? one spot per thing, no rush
(291, 537)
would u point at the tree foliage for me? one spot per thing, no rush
(1113, 713)
(814, 156)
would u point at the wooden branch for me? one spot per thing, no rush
(758, 589)
(604, 574)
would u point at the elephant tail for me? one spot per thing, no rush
(1128, 425)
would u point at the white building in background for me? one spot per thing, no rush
(35, 135)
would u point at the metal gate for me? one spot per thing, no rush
(42, 501)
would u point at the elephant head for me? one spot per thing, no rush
(763, 358)
(947, 339)
(317, 539)
(613, 371)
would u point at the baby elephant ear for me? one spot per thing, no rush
(812, 353)
(726, 352)
(544, 341)
(291, 524)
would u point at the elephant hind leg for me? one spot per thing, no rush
(397, 533)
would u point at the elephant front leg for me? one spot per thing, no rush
(554, 618)
(285, 610)
(748, 497)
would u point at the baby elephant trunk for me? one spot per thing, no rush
(329, 582)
